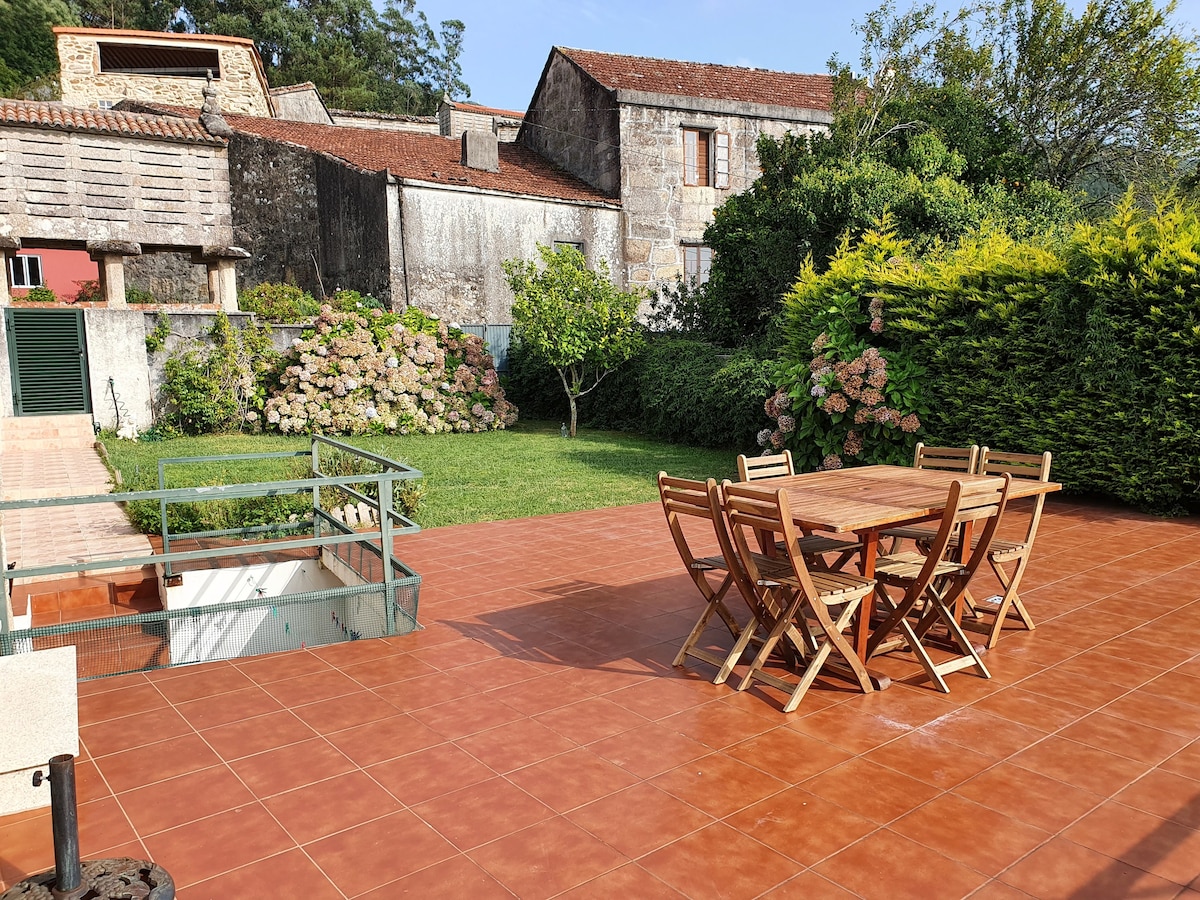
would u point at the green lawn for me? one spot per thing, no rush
(528, 470)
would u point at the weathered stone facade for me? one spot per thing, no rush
(84, 187)
(241, 81)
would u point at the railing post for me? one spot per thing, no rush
(162, 516)
(316, 491)
(386, 480)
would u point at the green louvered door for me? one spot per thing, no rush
(47, 352)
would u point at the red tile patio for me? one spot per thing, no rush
(534, 741)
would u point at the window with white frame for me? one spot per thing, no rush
(697, 261)
(25, 271)
(705, 158)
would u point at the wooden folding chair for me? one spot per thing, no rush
(684, 497)
(756, 468)
(946, 459)
(933, 584)
(830, 598)
(1004, 552)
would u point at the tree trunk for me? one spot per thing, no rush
(574, 414)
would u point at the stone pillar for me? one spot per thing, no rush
(111, 257)
(8, 248)
(222, 274)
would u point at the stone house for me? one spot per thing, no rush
(671, 140)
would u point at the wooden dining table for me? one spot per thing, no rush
(868, 499)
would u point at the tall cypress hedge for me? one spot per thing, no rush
(1089, 348)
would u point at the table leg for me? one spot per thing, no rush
(964, 554)
(862, 620)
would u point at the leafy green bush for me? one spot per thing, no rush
(136, 295)
(89, 292)
(221, 386)
(1089, 348)
(350, 301)
(279, 303)
(41, 294)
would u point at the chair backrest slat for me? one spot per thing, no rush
(967, 501)
(764, 512)
(752, 468)
(1032, 466)
(949, 459)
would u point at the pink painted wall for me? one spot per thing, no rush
(62, 271)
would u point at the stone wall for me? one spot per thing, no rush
(83, 84)
(359, 250)
(301, 105)
(169, 277)
(274, 213)
(455, 242)
(77, 186)
(661, 212)
(573, 122)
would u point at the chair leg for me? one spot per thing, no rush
(777, 631)
(1010, 600)
(715, 604)
(939, 609)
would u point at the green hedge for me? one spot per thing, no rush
(1089, 348)
(676, 389)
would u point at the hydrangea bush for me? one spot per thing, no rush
(359, 371)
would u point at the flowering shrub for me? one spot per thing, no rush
(375, 371)
(851, 402)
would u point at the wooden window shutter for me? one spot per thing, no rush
(721, 152)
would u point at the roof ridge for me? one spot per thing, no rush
(692, 62)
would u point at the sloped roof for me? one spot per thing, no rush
(425, 157)
(707, 80)
(59, 117)
(467, 106)
(158, 36)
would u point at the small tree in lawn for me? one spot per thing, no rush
(576, 320)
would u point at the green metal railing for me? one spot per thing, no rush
(386, 602)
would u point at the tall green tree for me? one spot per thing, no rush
(28, 57)
(141, 15)
(574, 319)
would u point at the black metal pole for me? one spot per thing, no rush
(64, 817)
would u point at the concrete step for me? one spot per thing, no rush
(33, 433)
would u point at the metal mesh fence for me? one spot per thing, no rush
(155, 640)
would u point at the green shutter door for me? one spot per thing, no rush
(47, 352)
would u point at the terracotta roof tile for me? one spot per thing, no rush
(425, 157)
(108, 121)
(688, 79)
(486, 110)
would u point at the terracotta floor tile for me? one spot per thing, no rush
(870, 869)
(1031, 709)
(811, 886)
(482, 813)
(515, 745)
(546, 859)
(658, 698)
(384, 739)
(649, 750)
(1094, 770)
(1041, 801)
(455, 654)
(156, 762)
(631, 880)
(970, 834)
(130, 732)
(540, 694)
(140, 697)
(718, 784)
(717, 725)
(1101, 666)
(424, 691)
(801, 825)
(1157, 711)
(983, 732)
(222, 709)
(350, 653)
(221, 843)
(572, 779)
(102, 824)
(340, 713)
(281, 666)
(429, 773)
(289, 767)
(1167, 795)
(466, 715)
(590, 719)
(1064, 869)
(388, 669)
(246, 737)
(1158, 846)
(787, 754)
(930, 759)
(204, 683)
(289, 874)
(1185, 762)
(870, 790)
(639, 819)
(177, 801)
(320, 809)
(1080, 690)
(303, 689)
(451, 879)
(363, 857)
(849, 728)
(1125, 738)
(698, 866)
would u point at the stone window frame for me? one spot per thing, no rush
(706, 160)
(697, 261)
(578, 245)
(25, 282)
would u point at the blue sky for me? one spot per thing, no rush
(507, 41)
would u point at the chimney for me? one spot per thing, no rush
(481, 150)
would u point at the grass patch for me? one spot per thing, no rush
(528, 470)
